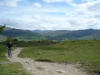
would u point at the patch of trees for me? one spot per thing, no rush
(1, 28)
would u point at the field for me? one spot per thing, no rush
(8, 68)
(86, 52)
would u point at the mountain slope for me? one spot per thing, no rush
(87, 34)
(21, 34)
(59, 35)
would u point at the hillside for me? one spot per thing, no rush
(2, 38)
(21, 34)
(85, 52)
(87, 34)
(58, 35)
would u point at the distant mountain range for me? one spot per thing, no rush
(59, 35)
(21, 34)
(87, 34)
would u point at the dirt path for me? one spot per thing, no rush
(45, 68)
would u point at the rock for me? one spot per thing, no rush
(60, 71)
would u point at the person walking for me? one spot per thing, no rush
(9, 45)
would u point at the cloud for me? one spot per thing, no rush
(53, 1)
(37, 5)
(70, 2)
(11, 3)
(88, 0)
(79, 16)
(61, 1)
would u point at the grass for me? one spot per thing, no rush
(12, 69)
(86, 52)
(2, 38)
(7, 68)
(3, 50)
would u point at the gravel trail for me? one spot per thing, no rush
(45, 68)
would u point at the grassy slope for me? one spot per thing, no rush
(3, 50)
(2, 38)
(9, 69)
(22, 34)
(85, 52)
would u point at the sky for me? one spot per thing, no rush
(50, 14)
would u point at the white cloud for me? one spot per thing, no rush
(60, 1)
(37, 5)
(80, 16)
(52, 1)
(11, 3)
(85, 15)
(70, 2)
(88, 0)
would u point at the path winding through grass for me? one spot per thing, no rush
(45, 68)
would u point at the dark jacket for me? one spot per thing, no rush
(9, 45)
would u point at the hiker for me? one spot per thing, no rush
(9, 45)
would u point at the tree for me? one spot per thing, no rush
(1, 28)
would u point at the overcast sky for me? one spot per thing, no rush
(50, 14)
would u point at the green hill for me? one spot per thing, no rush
(22, 34)
(87, 34)
(58, 35)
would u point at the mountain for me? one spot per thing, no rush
(58, 35)
(43, 32)
(87, 34)
(21, 34)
